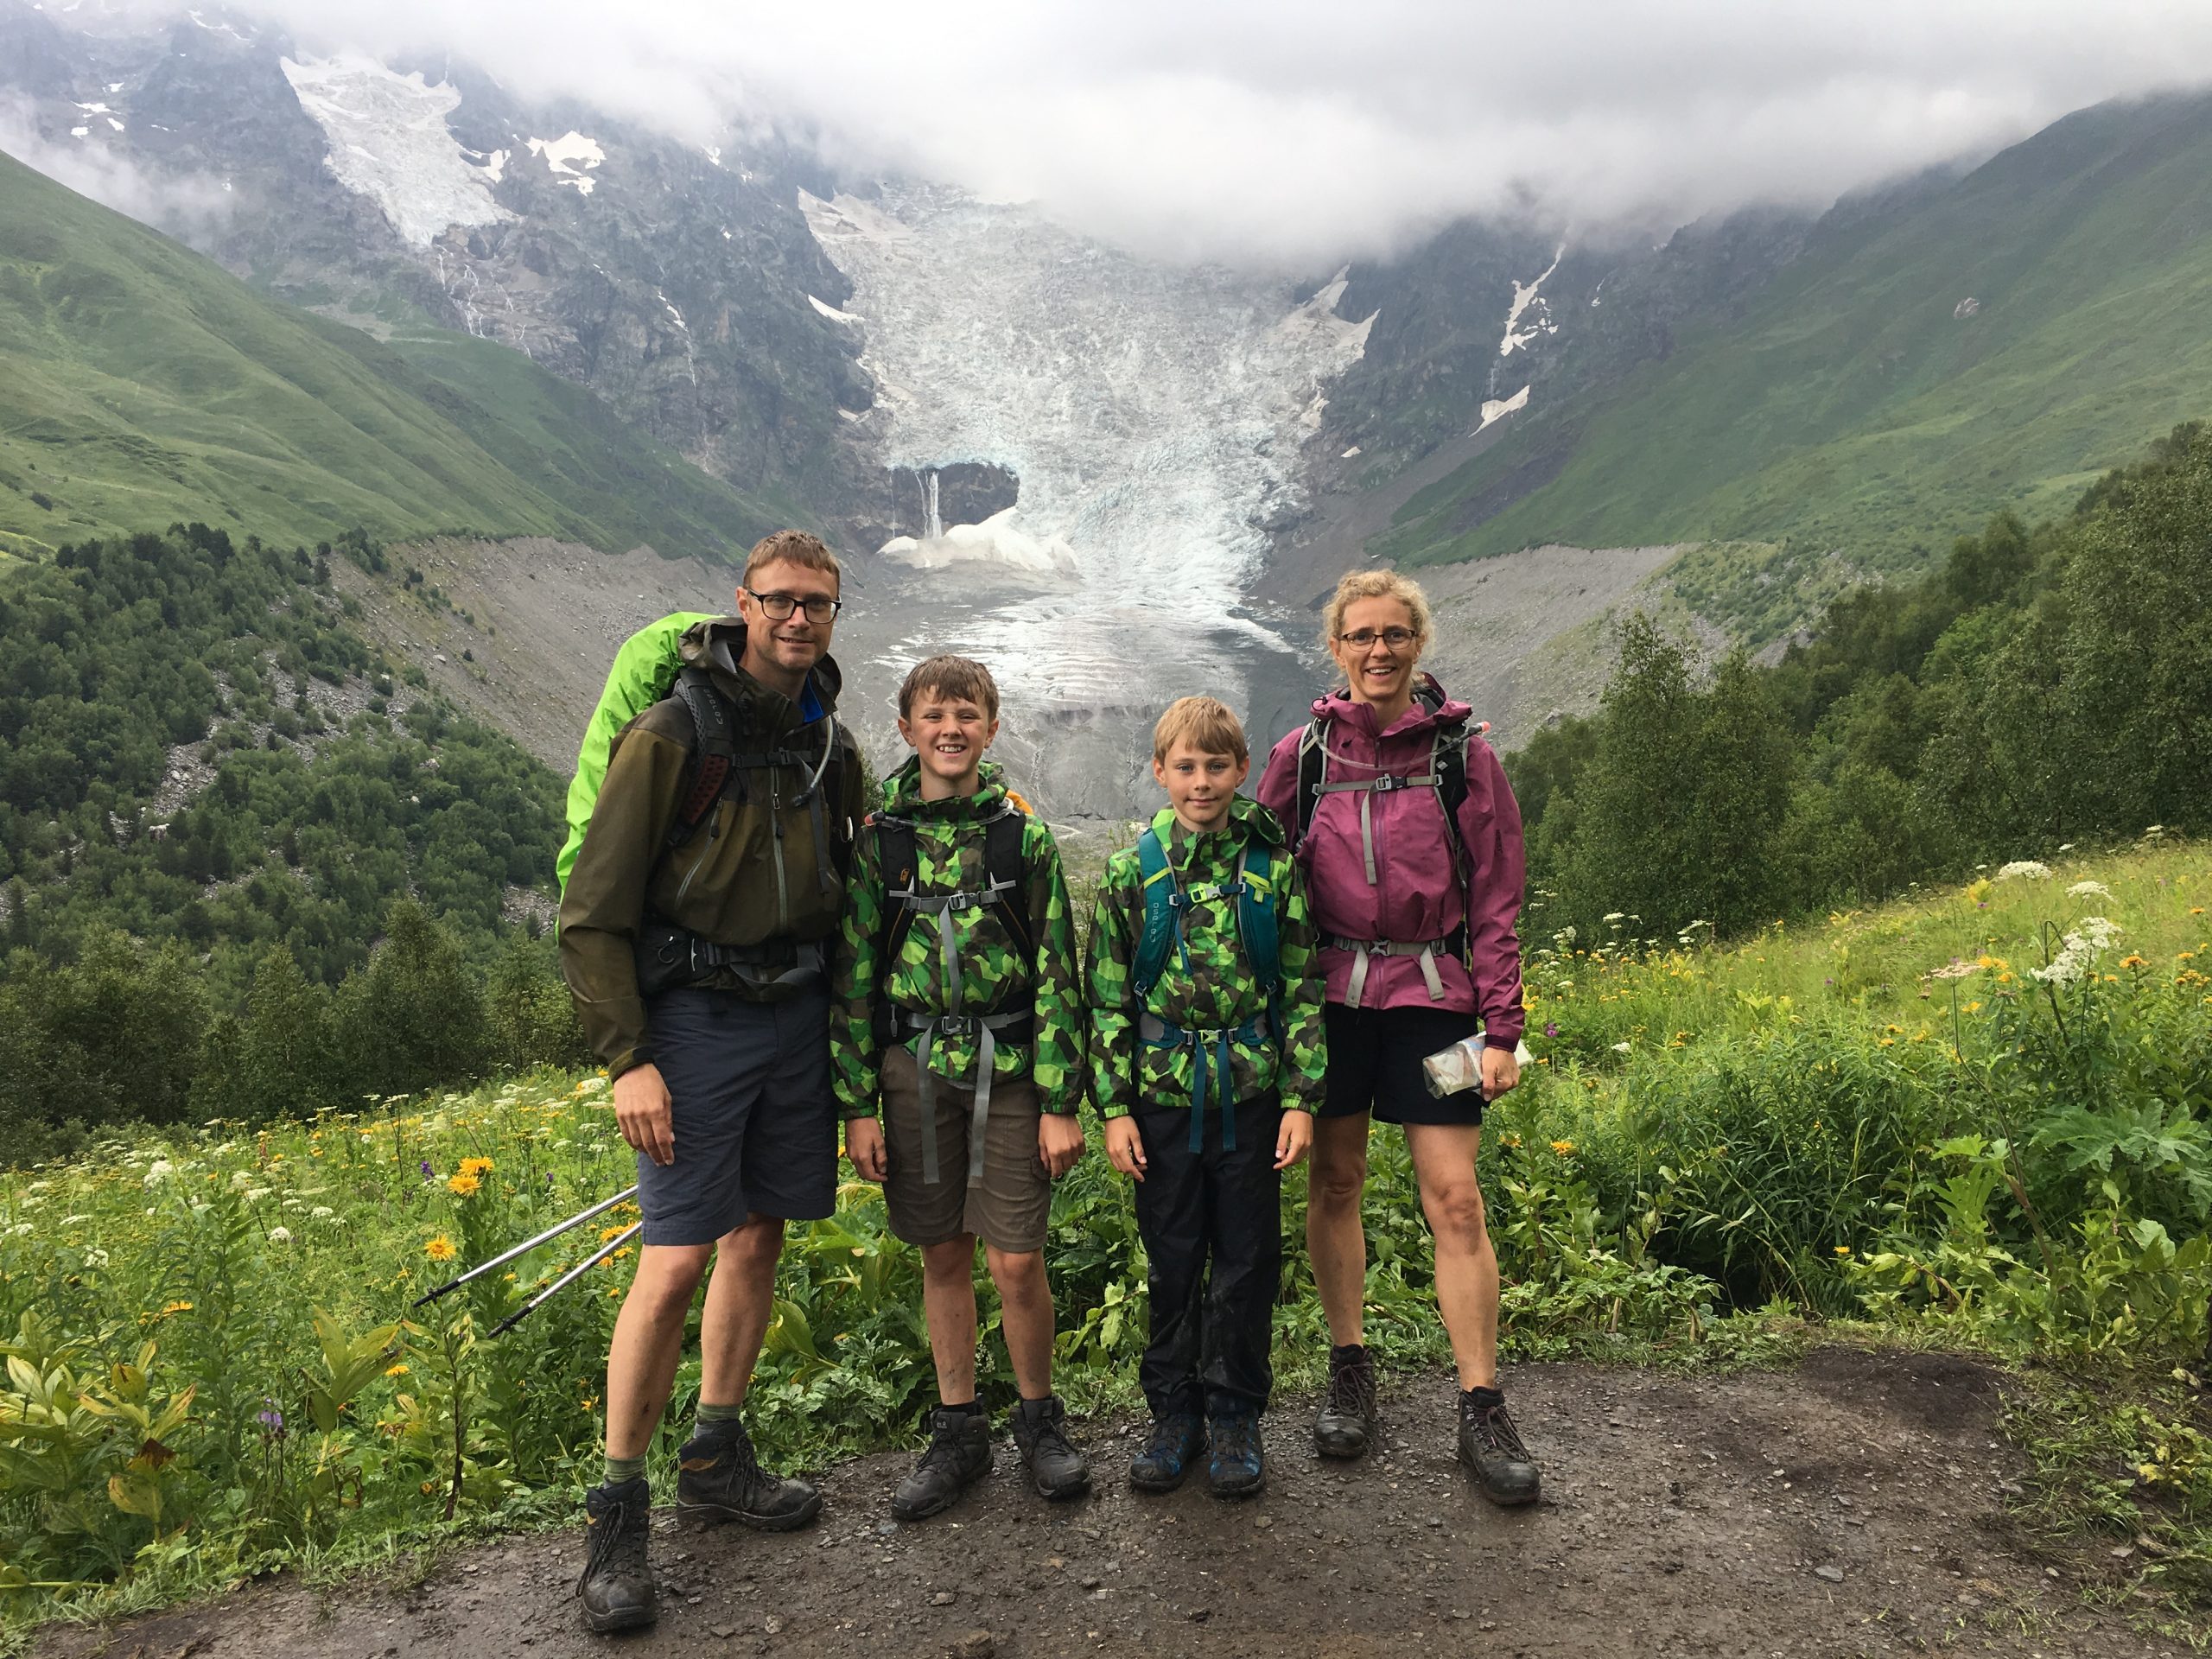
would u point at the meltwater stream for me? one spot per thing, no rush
(1153, 415)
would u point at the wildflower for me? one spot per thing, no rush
(2089, 890)
(2131, 960)
(1958, 969)
(427, 1171)
(280, 1235)
(159, 1171)
(2024, 869)
(1564, 1148)
(476, 1166)
(400, 1369)
(271, 1417)
(464, 1185)
(321, 1212)
(175, 1307)
(607, 1234)
(239, 1181)
(1550, 1029)
(1843, 1250)
(440, 1249)
(1620, 1048)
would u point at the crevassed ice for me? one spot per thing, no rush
(389, 142)
(1153, 413)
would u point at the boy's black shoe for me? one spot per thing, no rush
(1175, 1443)
(1345, 1424)
(1490, 1446)
(1238, 1467)
(719, 1478)
(1041, 1431)
(957, 1456)
(617, 1585)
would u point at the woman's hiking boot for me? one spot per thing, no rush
(1040, 1433)
(1490, 1446)
(957, 1456)
(1238, 1467)
(1174, 1445)
(1346, 1425)
(719, 1478)
(617, 1585)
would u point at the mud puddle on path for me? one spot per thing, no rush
(1851, 1507)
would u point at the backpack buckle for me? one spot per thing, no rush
(1390, 781)
(957, 1025)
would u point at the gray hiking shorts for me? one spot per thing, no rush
(753, 1115)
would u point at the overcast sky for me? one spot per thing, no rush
(1292, 134)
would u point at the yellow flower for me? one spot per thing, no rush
(476, 1166)
(440, 1249)
(176, 1307)
(1843, 1250)
(399, 1370)
(1564, 1148)
(605, 1234)
(466, 1185)
(2131, 960)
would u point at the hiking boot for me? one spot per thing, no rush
(957, 1456)
(719, 1478)
(617, 1585)
(1346, 1425)
(1040, 1432)
(1176, 1441)
(1490, 1446)
(1238, 1467)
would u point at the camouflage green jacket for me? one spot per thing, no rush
(1218, 991)
(949, 847)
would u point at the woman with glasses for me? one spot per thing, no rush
(1411, 845)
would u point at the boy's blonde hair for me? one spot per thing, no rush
(799, 547)
(1203, 723)
(1376, 584)
(958, 677)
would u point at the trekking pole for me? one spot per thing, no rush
(569, 1277)
(526, 1246)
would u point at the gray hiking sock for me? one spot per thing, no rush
(713, 1417)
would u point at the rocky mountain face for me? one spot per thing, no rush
(682, 285)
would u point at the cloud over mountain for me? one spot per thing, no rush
(1291, 134)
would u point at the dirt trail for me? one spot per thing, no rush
(1853, 1507)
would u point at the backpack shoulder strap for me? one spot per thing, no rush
(1259, 907)
(714, 751)
(1313, 765)
(1006, 876)
(1161, 913)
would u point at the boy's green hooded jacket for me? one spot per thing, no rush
(749, 875)
(1217, 992)
(948, 839)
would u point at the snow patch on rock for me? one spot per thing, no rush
(1523, 298)
(1497, 409)
(827, 309)
(389, 142)
(571, 156)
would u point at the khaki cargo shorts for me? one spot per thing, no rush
(1009, 1208)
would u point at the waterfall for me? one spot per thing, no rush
(932, 525)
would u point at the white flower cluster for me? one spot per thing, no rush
(2089, 890)
(160, 1171)
(2082, 946)
(2024, 869)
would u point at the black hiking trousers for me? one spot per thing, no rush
(1211, 1222)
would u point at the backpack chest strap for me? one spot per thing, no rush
(1367, 788)
(1209, 1056)
(984, 1027)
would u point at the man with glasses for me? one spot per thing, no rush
(693, 931)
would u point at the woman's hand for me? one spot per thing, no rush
(1501, 1071)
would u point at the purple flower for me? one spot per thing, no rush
(1550, 1029)
(272, 1419)
(427, 1171)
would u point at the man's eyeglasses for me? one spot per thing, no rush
(780, 606)
(1359, 639)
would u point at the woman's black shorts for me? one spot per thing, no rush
(1374, 1056)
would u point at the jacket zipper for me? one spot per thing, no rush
(714, 828)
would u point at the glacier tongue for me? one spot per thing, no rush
(1152, 414)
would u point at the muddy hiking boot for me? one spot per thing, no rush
(1040, 1433)
(1490, 1446)
(957, 1456)
(1239, 1466)
(617, 1585)
(1176, 1442)
(719, 1478)
(1346, 1425)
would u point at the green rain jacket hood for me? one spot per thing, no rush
(751, 874)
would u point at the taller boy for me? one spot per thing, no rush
(959, 1008)
(694, 936)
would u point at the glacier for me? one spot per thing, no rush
(389, 142)
(1153, 413)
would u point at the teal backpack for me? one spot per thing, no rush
(1258, 895)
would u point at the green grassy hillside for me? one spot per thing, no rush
(146, 386)
(1852, 410)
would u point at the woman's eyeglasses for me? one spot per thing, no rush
(780, 606)
(1359, 639)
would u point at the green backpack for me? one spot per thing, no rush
(645, 672)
